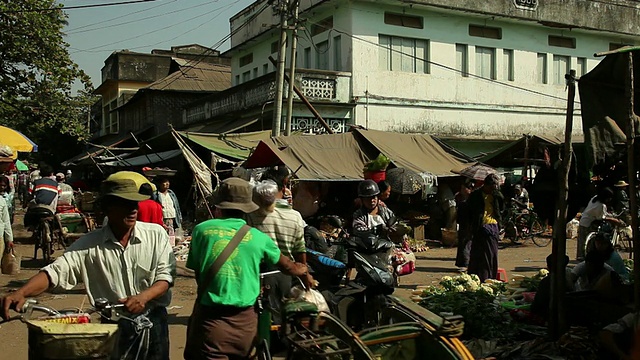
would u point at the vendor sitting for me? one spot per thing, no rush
(540, 305)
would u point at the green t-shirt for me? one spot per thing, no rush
(238, 281)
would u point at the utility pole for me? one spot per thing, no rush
(557, 322)
(277, 115)
(292, 66)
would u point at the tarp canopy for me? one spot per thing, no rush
(417, 152)
(313, 157)
(605, 105)
(513, 154)
(144, 159)
(233, 146)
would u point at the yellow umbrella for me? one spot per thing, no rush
(16, 140)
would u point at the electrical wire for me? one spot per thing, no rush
(194, 62)
(75, 7)
(191, 30)
(147, 33)
(449, 68)
(76, 29)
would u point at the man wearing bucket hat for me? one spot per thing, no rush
(226, 254)
(126, 261)
(621, 200)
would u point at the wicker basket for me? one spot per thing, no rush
(53, 341)
(449, 237)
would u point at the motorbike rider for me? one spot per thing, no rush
(372, 218)
(45, 196)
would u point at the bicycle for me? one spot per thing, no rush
(523, 223)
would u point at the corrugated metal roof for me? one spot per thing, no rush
(195, 77)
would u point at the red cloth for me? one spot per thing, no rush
(150, 211)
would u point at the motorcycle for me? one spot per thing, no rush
(359, 302)
(619, 233)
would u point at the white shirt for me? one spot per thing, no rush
(168, 209)
(6, 232)
(112, 271)
(595, 210)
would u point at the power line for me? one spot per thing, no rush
(76, 7)
(73, 30)
(219, 43)
(148, 33)
(441, 65)
(188, 31)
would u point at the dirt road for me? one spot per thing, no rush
(431, 266)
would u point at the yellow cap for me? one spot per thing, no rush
(126, 184)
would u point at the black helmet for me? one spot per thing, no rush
(368, 188)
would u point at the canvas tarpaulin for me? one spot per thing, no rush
(202, 174)
(147, 159)
(417, 152)
(234, 146)
(317, 157)
(605, 105)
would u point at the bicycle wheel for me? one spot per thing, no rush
(536, 229)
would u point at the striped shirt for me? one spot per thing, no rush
(284, 226)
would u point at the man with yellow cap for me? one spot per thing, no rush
(126, 262)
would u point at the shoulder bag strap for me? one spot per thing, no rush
(221, 259)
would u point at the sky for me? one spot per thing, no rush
(94, 33)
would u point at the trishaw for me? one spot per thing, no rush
(405, 331)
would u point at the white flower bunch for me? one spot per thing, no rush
(486, 288)
(543, 273)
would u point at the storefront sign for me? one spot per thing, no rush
(526, 4)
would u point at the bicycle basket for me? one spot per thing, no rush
(55, 341)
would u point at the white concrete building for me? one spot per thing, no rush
(473, 69)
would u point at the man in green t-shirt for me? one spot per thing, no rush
(226, 321)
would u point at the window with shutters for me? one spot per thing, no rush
(403, 54)
(561, 41)
(322, 57)
(486, 62)
(541, 69)
(561, 67)
(462, 59)
(507, 65)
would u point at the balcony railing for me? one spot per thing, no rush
(316, 85)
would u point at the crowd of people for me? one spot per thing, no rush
(255, 229)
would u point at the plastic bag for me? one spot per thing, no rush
(572, 229)
(312, 296)
(10, 263)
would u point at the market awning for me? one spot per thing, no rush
(531, 147)
(605, 106)
(234, 146)
(417, 152)
(110, 144)
(144, 159)
(313, 157)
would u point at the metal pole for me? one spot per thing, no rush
(292, 66)
(557, 323)
(633, 199)
(306, 102)
(277, 115)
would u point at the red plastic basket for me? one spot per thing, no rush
(376, 176)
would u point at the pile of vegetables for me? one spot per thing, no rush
(477, 302)
(378, 164)
(532, 283)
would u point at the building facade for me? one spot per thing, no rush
(472, 69)
(161, 80)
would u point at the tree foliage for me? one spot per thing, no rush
(37, 73)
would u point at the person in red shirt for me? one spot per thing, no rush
(149, 211)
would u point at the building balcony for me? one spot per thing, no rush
(318, 86)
